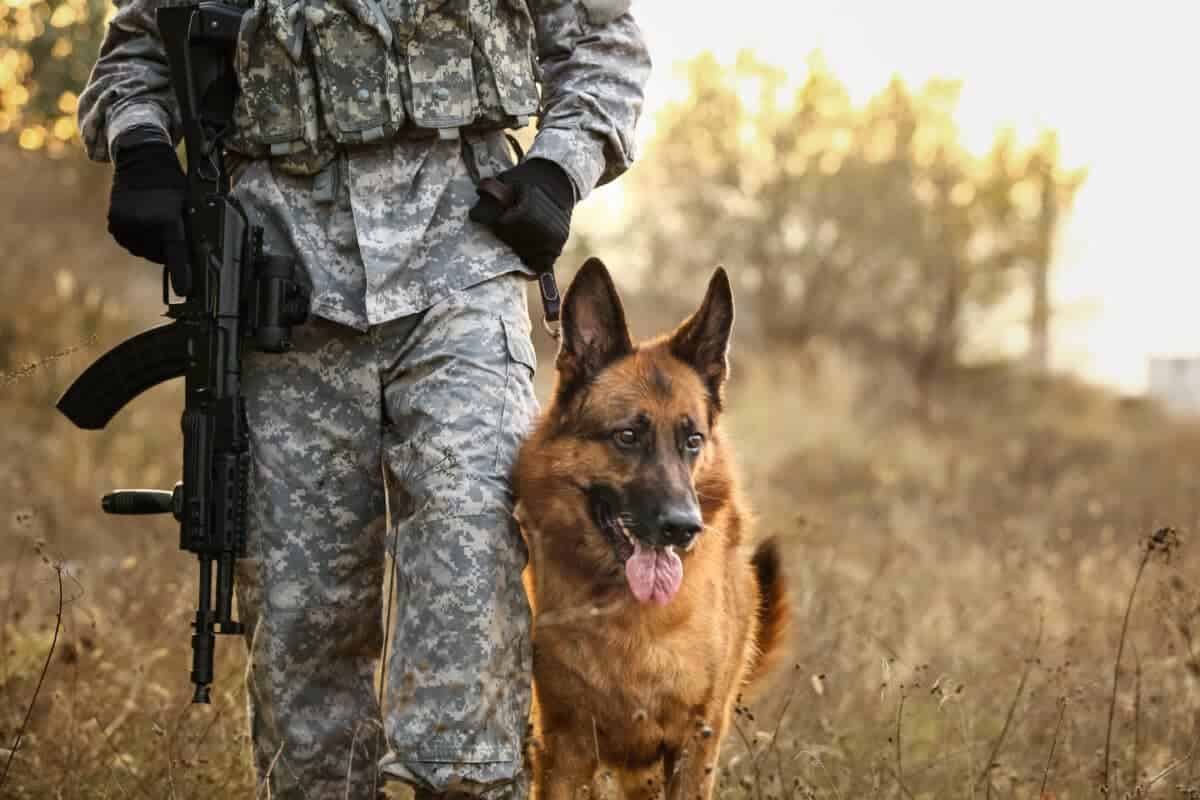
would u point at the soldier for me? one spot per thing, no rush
(364, 127)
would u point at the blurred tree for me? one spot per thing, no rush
(870, 224)
(47, 48)
(1055, 190)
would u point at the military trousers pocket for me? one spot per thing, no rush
(520, 403)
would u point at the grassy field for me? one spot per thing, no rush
(987, 601)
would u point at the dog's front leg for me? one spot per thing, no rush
(691, 771)
(564, 767)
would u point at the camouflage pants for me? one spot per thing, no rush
(420, 417)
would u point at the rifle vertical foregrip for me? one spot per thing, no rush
(138, 501)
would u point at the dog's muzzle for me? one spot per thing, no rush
(604, 504)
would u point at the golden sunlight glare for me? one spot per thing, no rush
(1109, 79)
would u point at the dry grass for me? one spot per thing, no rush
(961, 567)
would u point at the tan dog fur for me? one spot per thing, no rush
(638, 691)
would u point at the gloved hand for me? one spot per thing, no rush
(538, 221)
(145, 213)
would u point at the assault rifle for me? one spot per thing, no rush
(232, 293)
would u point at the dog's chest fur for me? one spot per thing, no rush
(649, 678)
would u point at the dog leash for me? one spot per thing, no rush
(547, 285)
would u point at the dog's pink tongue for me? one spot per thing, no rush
(654, 573)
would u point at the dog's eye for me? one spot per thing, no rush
(695, 442)
(626, 437)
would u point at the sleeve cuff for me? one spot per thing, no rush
(579, 154)
(133, 116)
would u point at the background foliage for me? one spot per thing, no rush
(46, 53)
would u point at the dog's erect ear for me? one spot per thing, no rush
(594, 333)
(703, 340)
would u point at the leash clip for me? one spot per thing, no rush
(551, 304)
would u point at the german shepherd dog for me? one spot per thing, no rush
(650, 613)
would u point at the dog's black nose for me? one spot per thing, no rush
(678, 525)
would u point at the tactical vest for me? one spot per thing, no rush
(319, 73)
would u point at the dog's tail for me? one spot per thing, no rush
(773, 612)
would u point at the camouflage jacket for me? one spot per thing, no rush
(326, 76)
(378, 66)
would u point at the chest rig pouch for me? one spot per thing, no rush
(315, 74)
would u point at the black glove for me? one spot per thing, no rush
(537, 222)
(145, 212)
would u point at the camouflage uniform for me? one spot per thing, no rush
(366, 125)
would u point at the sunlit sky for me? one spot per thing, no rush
(1118, 83)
